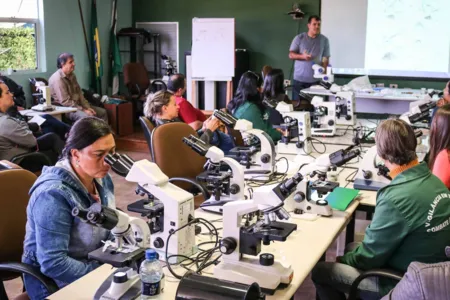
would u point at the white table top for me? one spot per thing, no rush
(303, 249)
(57, 111)
(400, 94)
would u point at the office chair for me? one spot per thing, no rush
(420, 282)
(148, 127)
(174, 157)
(14, 187)
(32, 161)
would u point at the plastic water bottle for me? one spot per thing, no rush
(151, 274)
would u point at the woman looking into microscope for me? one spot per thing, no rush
(56, 242)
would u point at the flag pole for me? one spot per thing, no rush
(85, 36)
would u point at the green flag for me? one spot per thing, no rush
(114, 53)
(96, 55)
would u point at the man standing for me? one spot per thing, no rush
(307, 49)
(67, 92)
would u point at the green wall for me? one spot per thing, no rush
(262, 26)
(64, 33)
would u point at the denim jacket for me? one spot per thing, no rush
(55, 241)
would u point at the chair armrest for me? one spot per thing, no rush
(202, 189)
(22, 268)
(31, 155)
(372, 273)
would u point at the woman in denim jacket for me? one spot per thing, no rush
(55, 241)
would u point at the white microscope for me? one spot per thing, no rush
(297, 130)
(309, 197)
(45, 93)
(324, 117)
(419, 111)
(372, 173)
(345, 108)
(241, 243)
(167, 208)
(259, 162)
(226, 185)
(319, 72)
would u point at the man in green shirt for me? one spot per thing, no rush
(411, 221)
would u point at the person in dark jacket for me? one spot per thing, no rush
(161, 108)
(51, 124)
(16, 137)
(411, 221)
(56, 242)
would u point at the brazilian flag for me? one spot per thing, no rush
(96, 54)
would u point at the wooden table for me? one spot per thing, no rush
(57, 112)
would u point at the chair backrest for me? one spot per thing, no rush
(33, 87)
(136, 74)
(14, 187)
(172, 155)
(148, 127)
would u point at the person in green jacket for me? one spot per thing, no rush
(247, 104)
(411, 221)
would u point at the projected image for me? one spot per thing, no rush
(409, 35)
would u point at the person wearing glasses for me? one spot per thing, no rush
(247, 104)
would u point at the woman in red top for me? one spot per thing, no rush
(439, 161)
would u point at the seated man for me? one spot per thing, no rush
(410, 221)
(67, 92)
(16, 137)
(193, 116)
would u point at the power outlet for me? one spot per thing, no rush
(287, 82)
(393, 86)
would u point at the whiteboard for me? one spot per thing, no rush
(213, 49)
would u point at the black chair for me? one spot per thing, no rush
(353, 295)
(32, 161)
(148, 127)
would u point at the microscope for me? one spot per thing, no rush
(44, 96)
(297, 130)
(309, 197)
(319, 72)
(345, 108)
(419, 111)
(372, 173)
(259, 162)
(169, 67)
(225, 186)
(323, 121)
(241, 242)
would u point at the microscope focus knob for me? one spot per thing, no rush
(228, 245)
(299, 197)
(234, 189)
(120, 277)
(348, 117)
(265, 158)
(158, 243)
(367, 174)
(266, 259)
(330, 123)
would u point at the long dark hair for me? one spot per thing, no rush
(439, 133)
(273, 84)
(84, 133)
(247, 91)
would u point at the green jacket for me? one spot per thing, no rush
(251, 112)
(411, 223)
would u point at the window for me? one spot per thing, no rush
(20, 35)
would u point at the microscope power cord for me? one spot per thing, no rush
(204, 255)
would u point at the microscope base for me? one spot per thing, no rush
(249, 270)
(308, 207)
(323, 131)
(214, 206)
(257, 174)
(291, 148)
(368, 185)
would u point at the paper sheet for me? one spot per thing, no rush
(37, 119)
